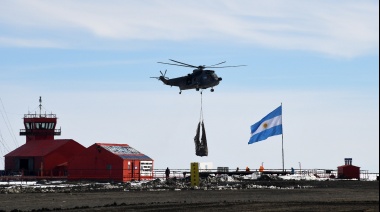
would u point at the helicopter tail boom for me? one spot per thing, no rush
(165, 80)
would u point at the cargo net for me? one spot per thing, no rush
(200, 140)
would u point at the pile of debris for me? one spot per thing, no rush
(212, 182)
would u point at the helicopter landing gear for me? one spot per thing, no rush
(180, 92)
(212, 90)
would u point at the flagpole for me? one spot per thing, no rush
(282, 141)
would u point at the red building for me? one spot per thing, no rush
(348, 171)
(110, 162)
(41, 155)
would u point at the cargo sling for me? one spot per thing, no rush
(201, 141)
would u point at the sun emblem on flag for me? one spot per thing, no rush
(265, 125)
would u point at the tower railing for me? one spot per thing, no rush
(29, 115)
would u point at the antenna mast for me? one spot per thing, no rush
(40, 105)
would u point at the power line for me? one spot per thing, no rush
(7, 124)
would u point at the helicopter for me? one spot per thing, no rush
(201, 78)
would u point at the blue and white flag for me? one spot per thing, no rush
(268, 126)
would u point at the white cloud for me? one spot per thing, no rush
(27, 42)
(339, 28)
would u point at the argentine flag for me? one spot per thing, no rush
(270, 125)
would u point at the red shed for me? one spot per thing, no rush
(110, 162)
(348, 171)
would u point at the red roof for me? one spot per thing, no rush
(38, 148)
(124, 151)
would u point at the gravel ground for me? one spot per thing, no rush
(270, 195)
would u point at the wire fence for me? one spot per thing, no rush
(183, 173)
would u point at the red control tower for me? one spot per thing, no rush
(41, 155)
(40, 126)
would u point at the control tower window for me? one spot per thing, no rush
(50, 126)
(39, 125)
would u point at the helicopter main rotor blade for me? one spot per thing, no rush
(198, 67)
(176, 64)
(224, 66)
(184, 63)
(218, 63)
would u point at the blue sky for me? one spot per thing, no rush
(91, 61)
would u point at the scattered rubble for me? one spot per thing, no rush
(212, 182)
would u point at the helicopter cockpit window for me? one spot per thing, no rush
(214, 76)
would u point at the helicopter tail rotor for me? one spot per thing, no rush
(162, 76)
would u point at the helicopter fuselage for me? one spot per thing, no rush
(199, 79)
